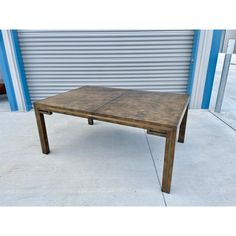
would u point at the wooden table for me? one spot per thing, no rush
(163, 114)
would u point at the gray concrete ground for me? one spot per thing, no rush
(113, 165)
(4, 105)
(228, 111)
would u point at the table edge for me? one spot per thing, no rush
(109, 118)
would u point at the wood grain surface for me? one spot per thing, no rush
(163, 109)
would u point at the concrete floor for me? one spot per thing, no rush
(4, 104)
(113, 165)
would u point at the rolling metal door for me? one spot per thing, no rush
(57, 61)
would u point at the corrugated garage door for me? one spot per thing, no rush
(57, 61)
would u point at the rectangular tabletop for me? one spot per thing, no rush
(143, 107)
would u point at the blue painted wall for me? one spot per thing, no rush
(7, 76)
(21, 70)
(215, 47)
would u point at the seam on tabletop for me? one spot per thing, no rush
(106, 103)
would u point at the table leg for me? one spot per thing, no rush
(90, 121)
(183, 127)
(168, 161)
(42, 131)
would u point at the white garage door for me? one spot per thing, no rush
(57, 61)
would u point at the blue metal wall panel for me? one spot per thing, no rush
(7, 76)
(21, 70)
(211, 68)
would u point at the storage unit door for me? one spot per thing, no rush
(57, 61)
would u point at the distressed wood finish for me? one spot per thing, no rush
(90, 121)
(168, 161)
(160, 113)
(42, 129)
(183, 127)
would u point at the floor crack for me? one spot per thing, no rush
(222, 120)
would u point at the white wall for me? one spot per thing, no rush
(203, 55)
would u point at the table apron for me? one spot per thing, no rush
(157, 128)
